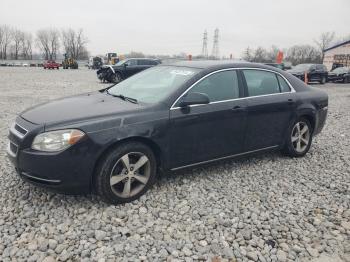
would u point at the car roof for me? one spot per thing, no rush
(142, 58)
(220, 64)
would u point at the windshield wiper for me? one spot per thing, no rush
(125, 98)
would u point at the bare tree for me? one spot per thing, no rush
(272, 53)
(299, 54)
(27, 42)
(324, 41)
(48, 42)
(74, 43)
(248, 54)
(260, 55)
(5, 40)
(18, 38)
(134, 54)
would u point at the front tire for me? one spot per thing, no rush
(116, 78)
(126, 173)
(298, 138)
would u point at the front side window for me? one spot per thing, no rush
(132, 62)
(261, 82)
(218, 86)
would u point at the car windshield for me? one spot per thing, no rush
(302, 67)
(154, 84)
(341, 70)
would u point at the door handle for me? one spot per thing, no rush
(238, 108)
(291, 101)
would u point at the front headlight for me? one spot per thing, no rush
(57, 140)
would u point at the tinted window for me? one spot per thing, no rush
(131, 62)
(153, 62)
(219, 86)
(261, 82)
(283, 84)
(320, 67)
(313, 67)
(145, 62)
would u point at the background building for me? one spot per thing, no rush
(338, 55)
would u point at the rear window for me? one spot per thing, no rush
(283, 84)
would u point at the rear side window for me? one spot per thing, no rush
(261, 82)
(219, 86)
(283, 84)
(142, 62)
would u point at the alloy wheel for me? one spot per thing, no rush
(300, 137)
(130, 174)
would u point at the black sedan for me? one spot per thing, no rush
(124, 69)
(315, 72)
(115, 141)
(340, 74)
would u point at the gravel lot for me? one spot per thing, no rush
(264, 208)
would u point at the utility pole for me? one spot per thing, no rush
(205, 45)
(215, 52)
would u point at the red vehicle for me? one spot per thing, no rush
(50, 64)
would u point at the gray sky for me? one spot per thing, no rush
(171, 27)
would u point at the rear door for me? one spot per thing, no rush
(270, 108)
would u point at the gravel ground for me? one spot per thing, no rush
(263, 208)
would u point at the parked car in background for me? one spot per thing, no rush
(115, 141)
(339, 74)
(280, 66)
(95, 62)
(50, 64)
(124, 69)
(315, 72)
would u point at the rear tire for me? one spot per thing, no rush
(298, 138)
(126, 173)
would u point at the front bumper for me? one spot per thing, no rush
(334, 78)
(320, 120)
(68, 171)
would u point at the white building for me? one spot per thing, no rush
(338, 55)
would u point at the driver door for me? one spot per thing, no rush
(205, 132)
(130, 68)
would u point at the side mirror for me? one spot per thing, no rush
(312, 70)
(194, 99)
(125, 64)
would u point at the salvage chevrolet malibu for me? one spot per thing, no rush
(115, 141)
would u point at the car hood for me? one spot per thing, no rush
(78, 108)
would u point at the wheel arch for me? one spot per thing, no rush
(310, 115)
(147, 141)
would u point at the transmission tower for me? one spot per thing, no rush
(215, 52)
(205, 44)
